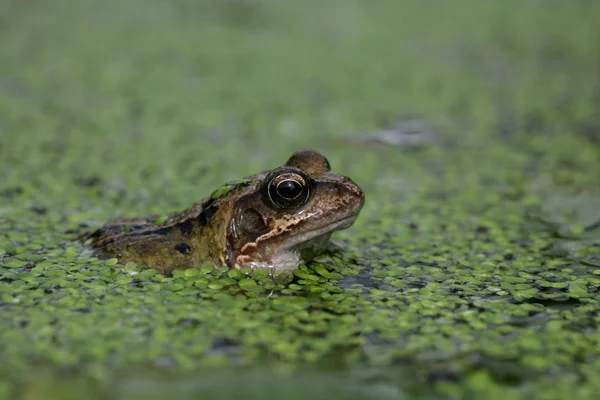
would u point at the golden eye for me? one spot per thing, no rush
(287, 189)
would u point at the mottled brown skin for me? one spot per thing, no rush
(271, 220)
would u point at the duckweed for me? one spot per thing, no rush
(472, 272)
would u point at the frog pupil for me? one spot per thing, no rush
(289, 189)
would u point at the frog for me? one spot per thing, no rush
(274, 220)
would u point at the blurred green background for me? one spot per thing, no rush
(472, 126)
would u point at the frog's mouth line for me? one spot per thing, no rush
(340, 224)
(287, 257)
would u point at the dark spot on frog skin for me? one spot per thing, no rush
(99, 232)
(186, 228)
(183, 248)
(161, 231)
(209, 209)
(241, 185)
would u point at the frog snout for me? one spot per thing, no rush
(352, 191)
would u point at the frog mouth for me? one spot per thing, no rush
(303, 239)
(287, 255)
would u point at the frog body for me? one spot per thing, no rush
(274, 219)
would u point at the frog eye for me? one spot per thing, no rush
(288, 190)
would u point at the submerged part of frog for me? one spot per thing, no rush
(272, 220)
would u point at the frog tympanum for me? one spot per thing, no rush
(271, 220)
